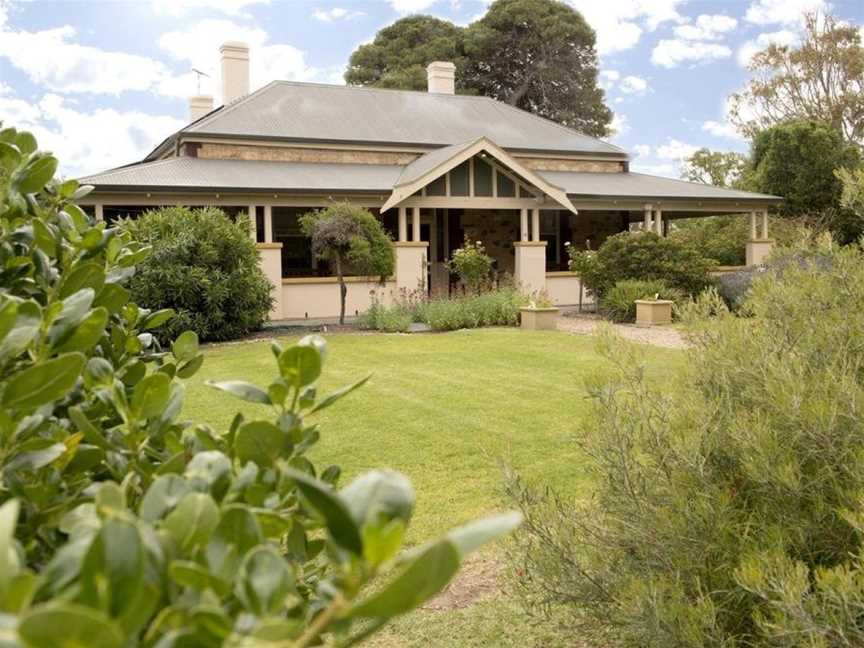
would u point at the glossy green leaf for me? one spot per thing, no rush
(25, 142)
(242, 390)
(185, 347)
(86, 275)
(9, 564)
(259, 441)
(164, 494)
(36, 174)
(382, 542)
(379, 495)
(237, 533)
(190, 574)
(43, 383)
(473, 535)
(113, 297)
(330, 506)
(151, 395)
(192, 522)
(28, 319)
(264, 581)
(300, 365)
(87, 333)
(114, 567)
(338, 395)
(67, 625)
(190, 367)
(157, 319)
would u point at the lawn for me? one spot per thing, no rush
(449, 410)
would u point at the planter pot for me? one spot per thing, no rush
(650, 312)
(538, 319)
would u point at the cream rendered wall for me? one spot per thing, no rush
(319, 297)
(563, 289)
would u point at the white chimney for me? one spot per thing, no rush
(235, 71)
(441, 77)
(199, 105)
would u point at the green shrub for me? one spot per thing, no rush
(642, 255)
(727, 507)
(121, 523)
(720, 238)
(204, 267)
(494, 308)
(472, 265)
(619, 302)
(396, 318)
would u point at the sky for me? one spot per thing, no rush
(101, 82)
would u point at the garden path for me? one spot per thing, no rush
(661, 336)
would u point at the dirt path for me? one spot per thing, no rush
(661, 336)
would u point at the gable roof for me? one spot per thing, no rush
(328, 113)
(427, 168)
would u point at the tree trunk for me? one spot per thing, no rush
(343, 291)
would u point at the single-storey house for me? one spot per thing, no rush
(434, 166)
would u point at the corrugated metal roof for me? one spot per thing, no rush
(425, 163)
(640, 185)
(308, 111)
(238, 175)
(246, 175)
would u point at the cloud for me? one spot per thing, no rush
(633, 85)
(83, 141)
(180, 7)
(675, 150)
(336, 13)
(620, 125)
(785, 12)
(612, 81)
(662, 169)
(411, 6)
(670, 53)
(751, 47)
(707, 27)
(620, 23)
(722, 129)
(642, 150)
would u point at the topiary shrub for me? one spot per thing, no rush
(204, 267)
(123, 524)
(727, 506)
(619, 302)
(642, 255)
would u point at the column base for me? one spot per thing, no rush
(531, 265)
(758, 250)
(411, 262)
(271, 264)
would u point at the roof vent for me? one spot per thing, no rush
(199, 105)
(441, 77)
(235, 70)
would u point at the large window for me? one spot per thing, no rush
(297, 258)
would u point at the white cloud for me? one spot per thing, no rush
(411, 6)
(633, 85)
(642, 150)
(721, 129)
(620, 23)
(751, 47)
(180, 7)
(620, 125)
(336, 13)
(607, 78)
(785, 12)
(670, 53)
(662, 169)
(707, 27)
(86, 142)
(675, 150)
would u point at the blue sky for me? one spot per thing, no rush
(102, 82)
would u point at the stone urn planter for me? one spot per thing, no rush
(653, 312)
(538, 319)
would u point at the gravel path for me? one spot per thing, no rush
(661, 336)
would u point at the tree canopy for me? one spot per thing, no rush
(821, 79)
(718, 168)
(538, 55)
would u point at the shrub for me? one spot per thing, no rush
(494, 308)
(619, 302)
(396, 318)
(642, 255)
(353, 240)
(727, 507)
(720, 238)
(204, 267)
(122, 524)
(472, 265)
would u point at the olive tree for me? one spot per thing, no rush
(353, 240)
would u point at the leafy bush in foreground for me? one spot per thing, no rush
(728, 506)
(619, 302)
(121, 524)
(642, 255)
(203, 266)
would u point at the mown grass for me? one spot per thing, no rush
(448, 410)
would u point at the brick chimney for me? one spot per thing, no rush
(199, 105)
(441, 77)
(235, 70)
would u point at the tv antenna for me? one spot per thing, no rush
(200, 74)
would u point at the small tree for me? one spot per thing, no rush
(472, 264)
(352, 239)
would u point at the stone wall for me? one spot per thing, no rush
(497, 230)
(289, 154)
(555, 164)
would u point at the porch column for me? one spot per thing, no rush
(646, 225)
(98, 213)
(523, 224)
(758, 248)
(415, 224)
(753, 234)
(531, 266)
(403, 224)
(253, 231)
(268, 224)
(658, 222)
(271, 265)
(535, 225)
(765, 224)
(411, 265)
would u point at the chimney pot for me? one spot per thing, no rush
(235, 70)
(441, 77)
(199, 105)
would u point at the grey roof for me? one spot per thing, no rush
(308, 111)
(425, 163)
(640, 185)
(238, 175)
(188, 173)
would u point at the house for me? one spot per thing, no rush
(434, 166)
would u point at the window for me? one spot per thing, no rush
(482, 178)
(459, 180)
(259, 224)
(506, 187)
(296, 248)
(549, 232)
(438, 187)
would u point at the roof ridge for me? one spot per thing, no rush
(229, 107)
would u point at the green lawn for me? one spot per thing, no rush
(448, 410)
